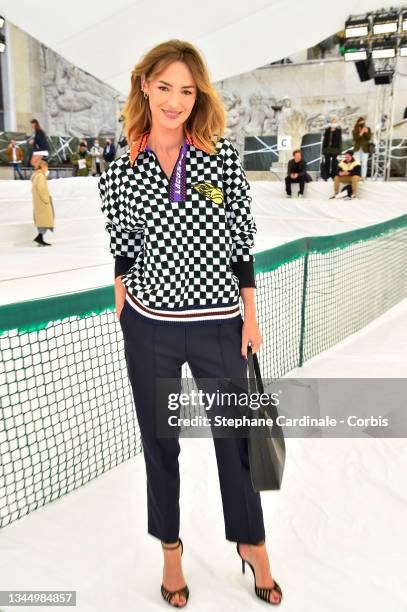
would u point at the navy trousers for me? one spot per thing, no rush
(212, 351)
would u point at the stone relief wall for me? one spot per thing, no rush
(265, 115)
(76, 103)
(296, 99)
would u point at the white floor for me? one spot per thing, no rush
(336, 531)
(80, 259)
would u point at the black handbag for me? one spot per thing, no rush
(266, 444)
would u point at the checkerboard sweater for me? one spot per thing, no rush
(184, 261)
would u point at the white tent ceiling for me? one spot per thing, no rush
(106, 38)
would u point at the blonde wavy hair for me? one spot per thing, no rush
(207, 121)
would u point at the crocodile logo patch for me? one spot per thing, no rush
(210, 191)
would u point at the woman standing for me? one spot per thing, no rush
(181, 231)
(43, 210)
(361, 137)
(109, 152)
(331, 148)
(98, 162)
(39, 142)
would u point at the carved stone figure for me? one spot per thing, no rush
(257, 115)
(270, 121)
(234, 111)
(77, 104)
(292, 123)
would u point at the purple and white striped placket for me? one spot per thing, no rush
(178, 183)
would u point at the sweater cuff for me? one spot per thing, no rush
(244, 270)
(122, 265)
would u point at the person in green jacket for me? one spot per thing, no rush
(361, 137)
(82, 161)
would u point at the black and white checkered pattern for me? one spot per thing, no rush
(183, 250)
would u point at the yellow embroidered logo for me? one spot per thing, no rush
(210, 191)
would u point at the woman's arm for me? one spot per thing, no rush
(42, 188)
(121, 266)
(243, 229)
(125, 242)
(250, 331)
(119, 294)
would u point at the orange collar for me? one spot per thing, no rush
(140, 144)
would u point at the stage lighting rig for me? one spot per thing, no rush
(384, 48)
(385, 22)
(356, 27)
(355, 51)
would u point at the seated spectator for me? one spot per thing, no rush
(349, 173)
(109, 152)
(82, 161)
(296, 173)
(15, 157)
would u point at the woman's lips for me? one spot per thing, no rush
(170, 114)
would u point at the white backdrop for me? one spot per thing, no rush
(107, 38)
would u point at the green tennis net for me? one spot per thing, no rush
(67, 412)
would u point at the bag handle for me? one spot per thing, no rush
(254, 371)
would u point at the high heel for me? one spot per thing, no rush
(184, 591)
(261, 592)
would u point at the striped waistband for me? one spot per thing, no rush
(198, 314)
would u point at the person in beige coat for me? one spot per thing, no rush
(98, 163)
(43, 210)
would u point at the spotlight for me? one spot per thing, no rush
(383, 70)
(386, 23)
(383, 77)
(383, 49)
(2, 43)
(356, 27)
(355, 52)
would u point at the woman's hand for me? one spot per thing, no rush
(250, 329)
(119, 311)
(120, 294)
(250, 333)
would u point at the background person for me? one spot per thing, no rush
(349, 172)
(15, 157)
(39, 142)
(296, 173)
(331, 148)
(81, 161)
(98, 162)
(109, 152)
(43, 210)
(361, 138)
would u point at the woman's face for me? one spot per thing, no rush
(171, 95)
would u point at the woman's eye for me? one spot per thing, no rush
(164, 88)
